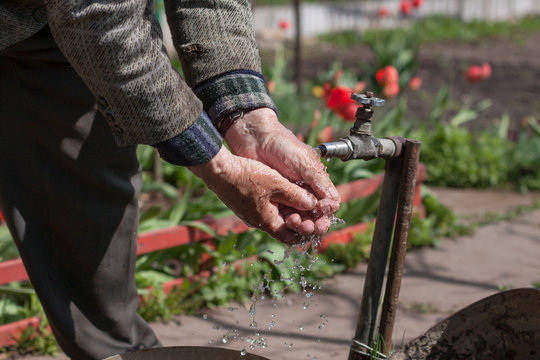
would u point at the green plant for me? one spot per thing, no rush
(26, 304)
(526, 157)
(353, 253)
(441, 28)
(439, 222)
(8, 250)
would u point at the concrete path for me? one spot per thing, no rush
(437, 282)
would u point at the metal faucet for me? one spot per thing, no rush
(395, 210)
(361, 144)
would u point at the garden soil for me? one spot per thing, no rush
(437, 282)
(513, 87)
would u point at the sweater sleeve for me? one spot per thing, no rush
(116, 48)
(215, 40)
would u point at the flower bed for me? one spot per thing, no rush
(13, 270)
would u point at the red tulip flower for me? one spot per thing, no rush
(474, 73)
(348, 112)
(391, 90)
(339, 100)
(486, 71)
(325, 135)
(339, 96)
(284, 24)
(359, 87)
(406, 7)
(271, 85)
(387, 75)
(417, 3)
(415, 83)
(1, 217)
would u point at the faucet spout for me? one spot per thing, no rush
(361, 147)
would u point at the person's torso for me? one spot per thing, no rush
(20, 19)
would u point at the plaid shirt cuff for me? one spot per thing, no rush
(236, 90)
(196, 145)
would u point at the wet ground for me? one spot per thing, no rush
(437, 282)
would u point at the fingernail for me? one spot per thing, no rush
(308, 201)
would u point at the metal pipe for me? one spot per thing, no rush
(399, 246)
(378, 258)
(361, 147)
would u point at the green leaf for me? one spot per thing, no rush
(463, 116)
(10, 289)
(166, 189)
(150, 213)
(201, 226)
(535, 126)
(502, 131)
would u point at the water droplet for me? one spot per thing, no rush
(309, 294)
(273, 315)
(243, 352)
(301, 328)
(205, 316)
(215, 327)
(224, 339)
(271, 325)
(306, 305)
(323, 316)
(210, 341)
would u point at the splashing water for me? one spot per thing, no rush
(297, 266)
(230, 335)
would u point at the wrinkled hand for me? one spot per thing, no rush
(260, 136)
(256, 193)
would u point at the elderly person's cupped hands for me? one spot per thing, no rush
(260, 136)
(259, 195)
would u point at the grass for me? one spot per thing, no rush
(490, 218)
(442, 28)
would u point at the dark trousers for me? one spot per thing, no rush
(69, 195)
